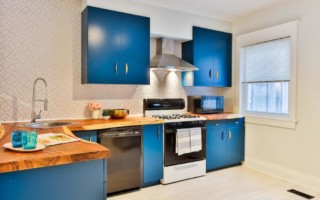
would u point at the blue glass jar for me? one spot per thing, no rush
(29, 140)
(16, 138)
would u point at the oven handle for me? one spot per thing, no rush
(171, 131)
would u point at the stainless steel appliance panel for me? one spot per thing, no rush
(124, 167)
(205, 104)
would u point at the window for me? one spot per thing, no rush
(267, 76)
(266, 63)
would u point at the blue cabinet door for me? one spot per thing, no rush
(225, 143)
(222, 55)
(115, 47)
(235, 130)
(203, 56)
(87, 135)
(152, 154)
(216, 145)
(135, 63)
(101, 45)
(211, 52)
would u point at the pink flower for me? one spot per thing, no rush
(94, 105)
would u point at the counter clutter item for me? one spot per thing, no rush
(50, 139)
(21, 149)
(119, 113)
(16, 138)
(29, 139)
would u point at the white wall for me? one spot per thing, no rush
(43, 39)
(291, 154)
(164, 22)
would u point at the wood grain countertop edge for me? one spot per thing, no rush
(24, 161)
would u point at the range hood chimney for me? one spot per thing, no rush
(166, 60)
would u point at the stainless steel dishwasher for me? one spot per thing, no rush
(124, 170)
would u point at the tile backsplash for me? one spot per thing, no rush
(42, 38)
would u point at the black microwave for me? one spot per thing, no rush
(205, 104)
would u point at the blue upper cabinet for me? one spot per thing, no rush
(211, 52)
(115, 47)
(136, 50)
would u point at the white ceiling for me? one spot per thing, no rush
(221, 9)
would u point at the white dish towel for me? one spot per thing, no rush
(183, 141)
(196, 139)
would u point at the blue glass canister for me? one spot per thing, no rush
(29, 140)
(16, 138)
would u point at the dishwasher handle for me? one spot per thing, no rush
(118, 134)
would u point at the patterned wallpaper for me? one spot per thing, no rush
(42, 38)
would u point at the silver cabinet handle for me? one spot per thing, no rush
(217, 124)
(222, 135)
(210, 73)
(116, 68)
(158, 132)
(127, 68)
(90, 138)
(230, 134)
(236, 122)
(217, 73)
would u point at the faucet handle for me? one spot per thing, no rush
(38, 116)
(45, 105)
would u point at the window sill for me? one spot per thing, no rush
(271, 121)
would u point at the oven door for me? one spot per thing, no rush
(170, 155)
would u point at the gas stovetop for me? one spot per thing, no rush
(178, 117)
(170, 110)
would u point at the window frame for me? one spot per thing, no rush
(273, 33)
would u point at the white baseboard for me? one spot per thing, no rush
(287, 174)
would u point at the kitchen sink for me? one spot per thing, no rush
(45, 125)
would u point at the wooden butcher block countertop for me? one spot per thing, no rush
(220, 116)
(64, 153)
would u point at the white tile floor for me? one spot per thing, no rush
(236, 183)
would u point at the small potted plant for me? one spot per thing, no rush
(106, 113)
(95, 108)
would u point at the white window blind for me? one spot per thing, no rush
(266, 80)
(267, 62)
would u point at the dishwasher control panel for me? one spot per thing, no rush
(121, 132)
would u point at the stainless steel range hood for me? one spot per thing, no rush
(166, 60)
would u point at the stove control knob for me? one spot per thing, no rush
(179, 124)
(196, 123)
(174, 124)
(200, 123)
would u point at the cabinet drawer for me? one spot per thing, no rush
(235, 122)
(216, 124)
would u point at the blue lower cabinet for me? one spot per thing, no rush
(80, 181)
(216, 145)
(152, 154)
(225, 143)
(235, 145)
(87, 135)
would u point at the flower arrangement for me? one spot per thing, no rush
(94, 106)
